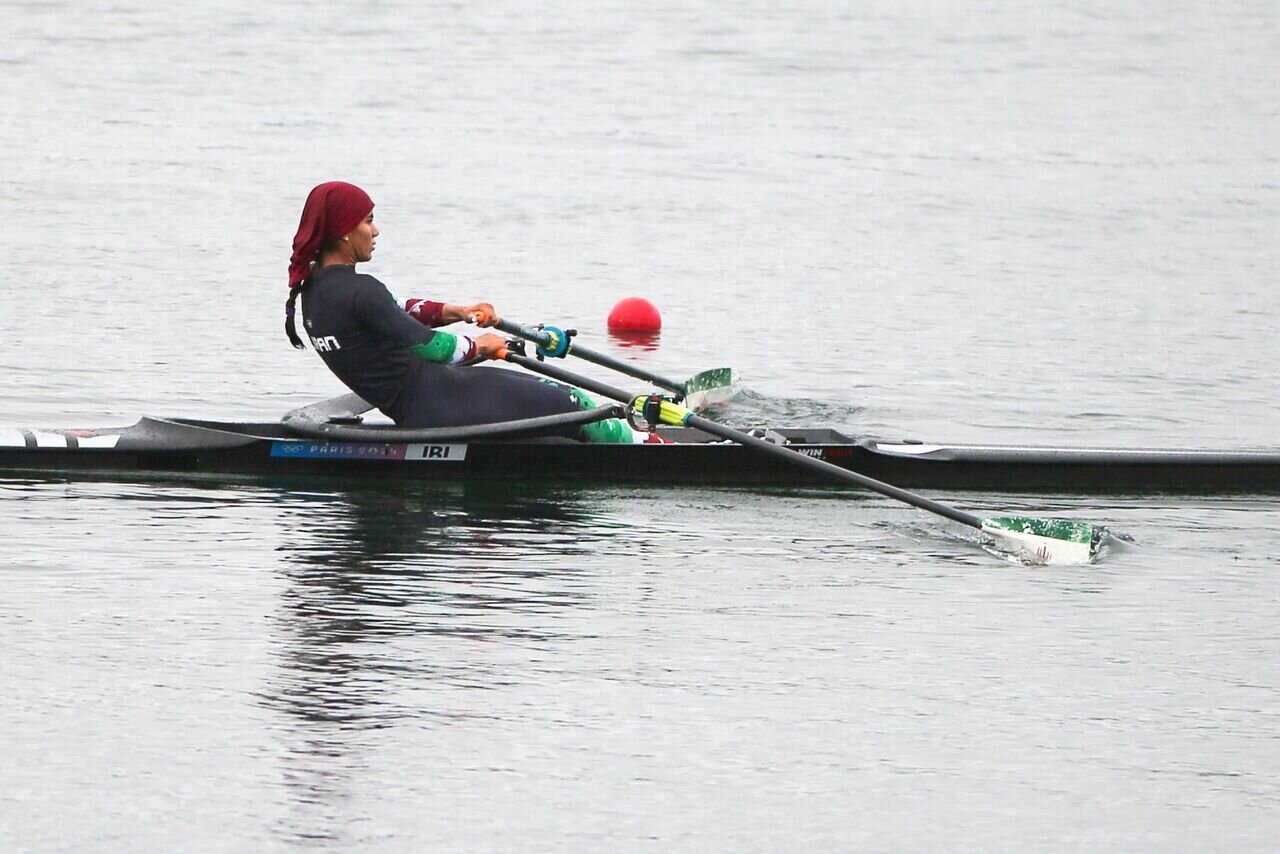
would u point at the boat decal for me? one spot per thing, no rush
(12, 439)
(301, 449)
(823, 452)
(440, 453)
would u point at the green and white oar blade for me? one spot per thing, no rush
(1044, 541)
(709, 388)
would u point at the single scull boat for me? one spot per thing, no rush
(329, 439)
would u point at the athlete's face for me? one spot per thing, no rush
(363, 240)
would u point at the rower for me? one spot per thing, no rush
(392, 353)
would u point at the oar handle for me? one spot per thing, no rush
(680, 415)
(547, 340)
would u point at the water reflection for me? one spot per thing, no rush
(633, 340)
(401, 601)
(477, 561)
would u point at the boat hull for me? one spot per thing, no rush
(188, 447)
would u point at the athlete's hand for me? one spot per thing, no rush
(488, 345)
(481, 314)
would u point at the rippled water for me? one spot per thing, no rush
(980, 221)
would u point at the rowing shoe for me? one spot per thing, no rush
(1032, 540)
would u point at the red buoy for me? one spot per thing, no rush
(635, 314)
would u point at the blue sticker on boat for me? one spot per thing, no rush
(367, 451)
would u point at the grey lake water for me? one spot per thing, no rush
(1008, 221)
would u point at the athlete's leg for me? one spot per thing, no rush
(456, 396)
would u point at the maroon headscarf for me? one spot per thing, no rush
(332, 210)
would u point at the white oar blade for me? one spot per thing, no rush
(1044, 541)
(709, 388)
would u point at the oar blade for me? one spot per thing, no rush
(1045, 541)
(709, 388)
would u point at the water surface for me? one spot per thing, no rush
(998, 222)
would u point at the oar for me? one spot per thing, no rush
(1042, 541)
(701, 390)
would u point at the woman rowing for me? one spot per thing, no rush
(391, 353)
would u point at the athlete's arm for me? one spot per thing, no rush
(425, 311)
(431, 313)
(374, 305)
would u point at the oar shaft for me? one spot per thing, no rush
(602, 359)
(556, 372)
(715, 428)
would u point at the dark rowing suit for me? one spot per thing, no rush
(416, 375)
